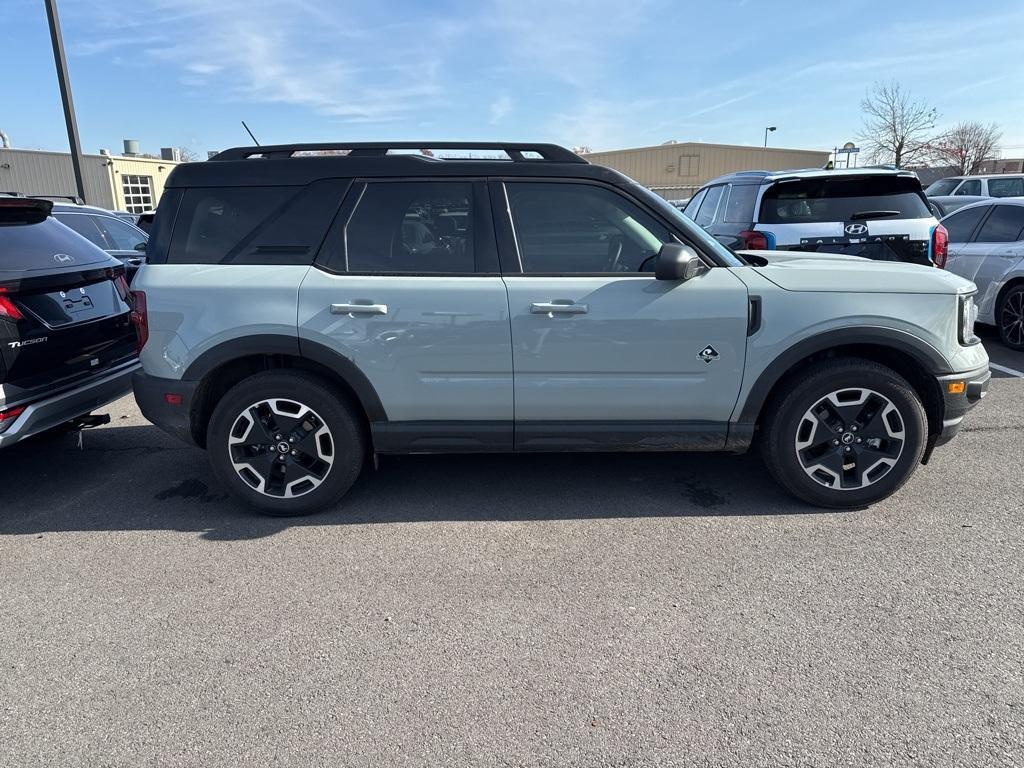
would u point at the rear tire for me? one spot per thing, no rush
(286, 442)
(849, 433)
(1010, 318)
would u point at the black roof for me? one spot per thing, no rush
(291, 164)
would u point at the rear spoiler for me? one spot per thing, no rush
(24, 210)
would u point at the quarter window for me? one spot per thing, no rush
(1003, 226)
(137, 192)
(739, 208)
(706, 214)
(961, 224)
(563, 228)
(412, 227)
(694, 205)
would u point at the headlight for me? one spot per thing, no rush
(968, 314)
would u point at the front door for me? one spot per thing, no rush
(409, 292)
(603, 353)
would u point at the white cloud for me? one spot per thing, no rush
(500, 107)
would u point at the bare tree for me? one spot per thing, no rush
(896, 126)
(187, 155)
(582, 149)
(967, 146)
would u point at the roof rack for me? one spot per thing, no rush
(72, 198)
(551, 153)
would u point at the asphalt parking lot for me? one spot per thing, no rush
(511, 610)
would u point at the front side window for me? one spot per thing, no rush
(564, 228)
(1012, 186)
(120, 235)
(961, 224)
(1003, 226)
(412, 227)
(942, 187)
(969, 187)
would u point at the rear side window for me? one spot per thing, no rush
(253, 225)
(942, 187)
(961, 224)
(808, 201)
(1003, 226)
(121, 235)
(739, 207)
(969, 187)
(85, 226)
(706, 214)
(1009, 187)
(694, 205)
(412, 227)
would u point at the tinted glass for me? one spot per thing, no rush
(33, 246)
(581, 228)
(739, 207)
(1012, 186)
(415, 226)
(121, 236)
(694, 205)
(942, 187)
(706, 214)
(85, 226)
(214, 225)
(808, 201)
(969, 187)
(1003, 226)
(961, 224)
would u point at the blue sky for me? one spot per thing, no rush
(607, 75)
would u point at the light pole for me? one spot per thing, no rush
(768, 130)
(65, 95)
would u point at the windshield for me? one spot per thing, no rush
(839, 198)
(942, 187)
(695, 233)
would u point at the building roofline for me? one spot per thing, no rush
(90, 155)
(707, 144)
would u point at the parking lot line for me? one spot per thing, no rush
(1004, 369)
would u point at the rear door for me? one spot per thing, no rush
(408, 288)
(965, 253)
(604, 354)
(878, 216)
(999, 247)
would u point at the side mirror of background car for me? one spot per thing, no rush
(141, 247)
(678, 262)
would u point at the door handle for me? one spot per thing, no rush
(359, 308)
(558, 306)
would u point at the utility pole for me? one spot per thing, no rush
(65, 95)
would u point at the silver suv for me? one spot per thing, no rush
(306, 306)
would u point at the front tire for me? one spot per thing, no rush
(1010, 318)
(286, 442)
(849, 433)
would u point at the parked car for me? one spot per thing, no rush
(108, 231)
(577, 311)
(943, 205)
(876, 213)
(995, 185)
(67, 345)
(986, 245)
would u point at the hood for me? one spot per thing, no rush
(838, 273)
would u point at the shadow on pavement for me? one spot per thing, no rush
(138, 478)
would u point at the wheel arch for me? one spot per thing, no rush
(220, 368)
(914, 359)
(1014, 282)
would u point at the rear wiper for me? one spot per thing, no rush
(873, 215)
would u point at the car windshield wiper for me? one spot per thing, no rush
(873, 215)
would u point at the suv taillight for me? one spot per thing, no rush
(8, 416)
(140, 319)
(754, 241)
(7, 307)
(940, 246)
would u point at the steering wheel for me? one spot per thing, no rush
(614, 252)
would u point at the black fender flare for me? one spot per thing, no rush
(293, 346)
(929, 358)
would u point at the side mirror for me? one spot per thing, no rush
(678, 262)
(140, 247)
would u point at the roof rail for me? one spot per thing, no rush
(551, 153)
(72, 198)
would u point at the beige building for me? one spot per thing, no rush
(117, 182)
(678, 170)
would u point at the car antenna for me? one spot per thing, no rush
(250, 134)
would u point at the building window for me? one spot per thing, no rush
(137, 192)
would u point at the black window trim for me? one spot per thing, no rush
(984, 220)
(334, 260)
(508, 248)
